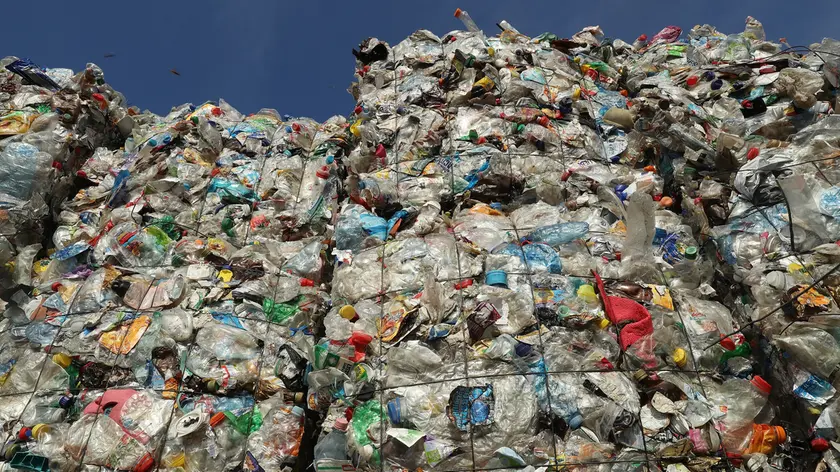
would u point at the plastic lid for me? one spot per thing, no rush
(347, 312)
(679, 357)
(341, 423)
(576, 421)
(496, 278)
(761, 384)
(819, 444)
(323, 172)
(65, 401)
(458, 13)
(62, 359)
(639, 375)
(691, 252)
(40, 429)
(603, 323)
(145, 464)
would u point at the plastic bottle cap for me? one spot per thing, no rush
(575, 421)
(679, 357)
(25, 433)
(666, 201)
(341, 423)
(753, 153)
(781, 434)
(323, 172)
(691, 252)
(62, 359)
(819, 444)
(692, 81)
(496, 278)
(347, 312)
(603, 323)
(145, 464)
(458, 13)
(40, 429)
(761, 384)
(307, 283)
(65, 401)
(639, 375)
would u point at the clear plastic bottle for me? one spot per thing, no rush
(333, 447)
(468, 22)
(561, 233)
(741, 400)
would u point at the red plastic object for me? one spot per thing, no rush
(761, 384)
(753, 153)
(819, 444)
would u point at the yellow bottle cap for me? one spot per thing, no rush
(347, 312)
(62, 359)
(225, 275)
(40, 429)
(604, 323)
(679, 356)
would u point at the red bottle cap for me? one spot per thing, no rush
(642, 37)
(323, 172)
(358, 110)
(692, 81)
(819, 444)
(728, 344)
(55, 286)
(752, 153)
(296, 127)
(306, 283)
(761, 384)
(458, 13)
(216, 111)
(146, 463)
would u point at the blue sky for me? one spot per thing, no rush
(295, 56)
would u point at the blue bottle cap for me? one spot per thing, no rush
(362, 185)
(717, 84)
(330, 159)
(496, 206)
(523, 349)
(620, 188)
(65, 401)
(496, 278)
(575, 421)
(288, 129)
